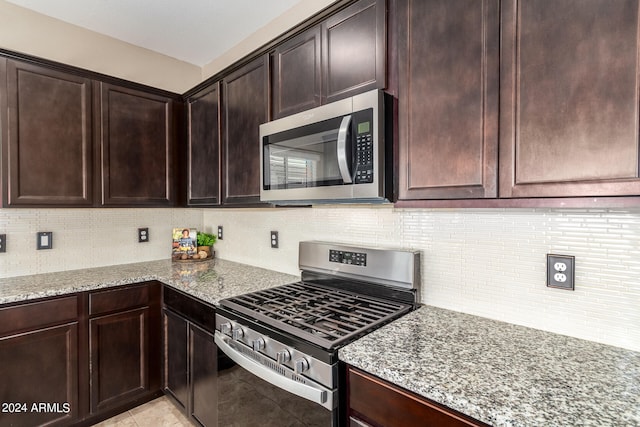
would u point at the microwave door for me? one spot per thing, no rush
(302, 161)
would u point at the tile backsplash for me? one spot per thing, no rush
(84, 238)
(489, 262)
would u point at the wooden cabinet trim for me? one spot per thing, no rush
(104, 121)
(246, 166)
(334, 22)
(401, 407)
(200, 169)
(31, 315)
(67, 379)
(118, 299)
(283, 84)
(32, 179)
(432, 184)
(104, 393)
(625, 181)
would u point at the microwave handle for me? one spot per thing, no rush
(342, 149)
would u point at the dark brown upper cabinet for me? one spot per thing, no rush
(569, 101)
(48, 144)
(340, 57)
(296, 74)
(136, 147)
(354, 50)
(203, 118)
(448, 98)
(246, 105)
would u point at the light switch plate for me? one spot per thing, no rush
(45, 240)
(3, 243)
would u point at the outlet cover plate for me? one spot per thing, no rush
(143, 235)
(274, 239)
(561, 272)
(220, 235)
(45, 240)
(3, 243)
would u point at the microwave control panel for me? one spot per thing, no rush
(364, 147)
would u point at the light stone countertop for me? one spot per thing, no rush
(503, 374)
(210, 281)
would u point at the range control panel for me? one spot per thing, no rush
(345, 257)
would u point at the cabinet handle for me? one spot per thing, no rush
(342, 149)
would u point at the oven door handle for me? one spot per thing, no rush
(341, 150)
(314, 393)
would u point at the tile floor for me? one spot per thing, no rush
(157, 413)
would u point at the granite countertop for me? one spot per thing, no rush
(503, 374)
(210, 281)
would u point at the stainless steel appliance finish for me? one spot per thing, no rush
(334, 153)
(289, 336)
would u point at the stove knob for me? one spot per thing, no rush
(225, 328)
(283, 356)
(237, 334)
(301, 365)
(257, 344)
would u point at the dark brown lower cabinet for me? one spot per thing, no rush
(190, 357)
(124, 345)
(399, 407)
(80, 358)
(39, 363)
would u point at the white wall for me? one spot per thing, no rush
(486, 262)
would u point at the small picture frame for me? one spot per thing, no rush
(184, 244)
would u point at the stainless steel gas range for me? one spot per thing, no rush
(281, 344)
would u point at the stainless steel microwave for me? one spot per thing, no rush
(336, 153)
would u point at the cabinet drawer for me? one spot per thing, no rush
(198, 312)
(400, 407)
(118, 299)
(38, 314)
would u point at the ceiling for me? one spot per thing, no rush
(194, 31)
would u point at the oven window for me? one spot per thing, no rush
(246, 400)
(303, 157)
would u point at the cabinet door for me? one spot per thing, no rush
(119, 347)
(204, 374)
(569, 113)
(176, 375)
(245, 109)
(354, 50)
(49, 138)
(40, 368)
(448, 98)
(136, 147)
(204, 147)
(296, 74)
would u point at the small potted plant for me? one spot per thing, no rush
(205, 242)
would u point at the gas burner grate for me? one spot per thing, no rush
(322, 315)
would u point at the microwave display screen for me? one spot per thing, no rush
(364, 127)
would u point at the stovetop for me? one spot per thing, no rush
(326, 316)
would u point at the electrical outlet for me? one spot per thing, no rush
(143, 235)
(274, 239)
(561, 271)
(45, 240)
(3, 243)
(219, 232)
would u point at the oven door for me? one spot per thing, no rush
(254, 390)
